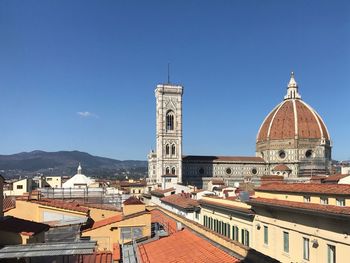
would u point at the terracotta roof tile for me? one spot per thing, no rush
(106, 221)
(113, 219)
(333, 189)
(340, 210)
(132, 184)
(68, 205)
(100, 206)
(334, 178)
(227, 206)
(280, 123)
(182, 200)
(18, 225)
(132, 201)
(183, 246)
(97, 257)
(169, 224)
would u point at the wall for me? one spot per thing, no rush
(54, 181)
(324, 230)
(299, 197)
(34, 212)
(109, 234)
(132, 209)
(98, 214)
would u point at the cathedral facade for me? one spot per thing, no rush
(293, 141)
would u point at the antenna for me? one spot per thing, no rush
(168, 73)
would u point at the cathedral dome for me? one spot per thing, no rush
(292, 119)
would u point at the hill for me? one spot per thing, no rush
(66, 162)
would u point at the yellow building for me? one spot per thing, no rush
(54, 181)
(302, 222)
(133, 223)
(135, 188)
(228, 217)
(48, 210)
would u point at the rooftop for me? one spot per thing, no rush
(24, 227)
(281, 167)
(160, 192)
(183, 246)
(334, 178)
(68, 205)
(308, 188)
(306, 207)
(182, 200)
(132, 201)
(225, 205)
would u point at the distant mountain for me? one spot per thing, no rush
(65, 163)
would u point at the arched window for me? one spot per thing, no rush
(167, 170)
(173, 149)
(167, 149)
(173, 170)
(170, 121)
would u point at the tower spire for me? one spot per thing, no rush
(292, 89)
(79, 169)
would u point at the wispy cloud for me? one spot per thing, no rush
(87, 114)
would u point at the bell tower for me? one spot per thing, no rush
(169, 131)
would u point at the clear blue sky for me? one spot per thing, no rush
(103, 59)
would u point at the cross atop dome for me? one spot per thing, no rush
(292, 90)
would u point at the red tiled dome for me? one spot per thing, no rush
(292, 118)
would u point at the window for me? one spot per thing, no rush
(235, 233)
(170, 121)
(306, 248)
(282, 154)
(139, 191)
(167, 170)
(228, 231)
(201, 171)
(197, 215)
(306, 199)
(266, 235)
(125, 233)
(19, 186)
(167, 149)
(340, 202)
(286, 242)
(324, 200)
(49, 179)
(254, 171)
(245, 237)
(228, 170)
(173, 152)
(308, 154)
(173, 170)
(330, 254)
